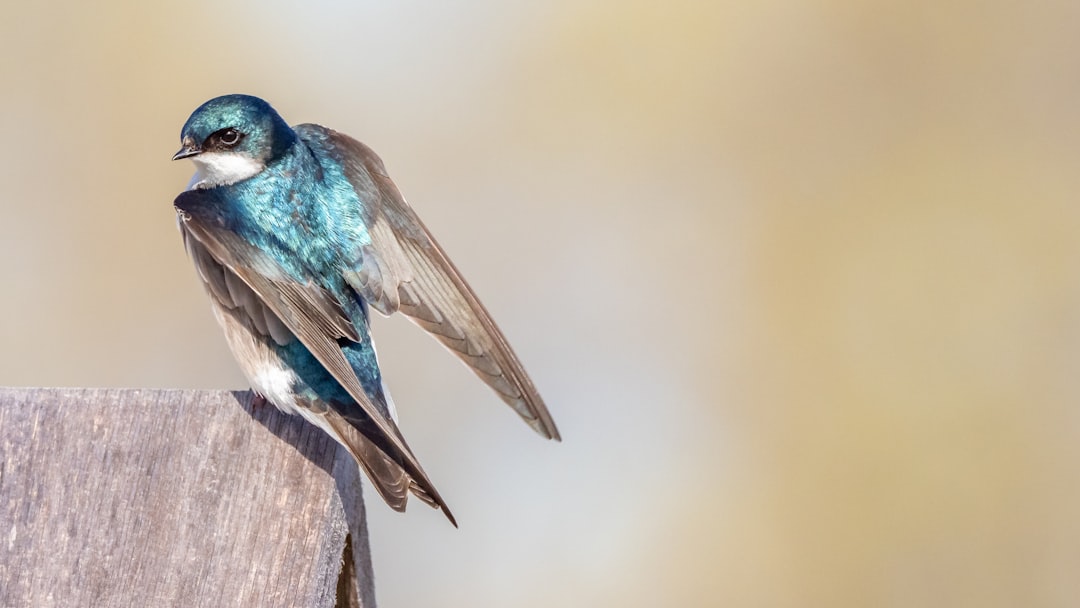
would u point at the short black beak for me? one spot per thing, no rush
(186, 151)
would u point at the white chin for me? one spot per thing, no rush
(222, 168)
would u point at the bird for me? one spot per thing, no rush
(296, 233)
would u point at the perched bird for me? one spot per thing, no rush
(295, 232)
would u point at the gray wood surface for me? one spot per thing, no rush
(173, 498)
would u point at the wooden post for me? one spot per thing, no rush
(139, 497)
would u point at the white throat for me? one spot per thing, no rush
(222, 168)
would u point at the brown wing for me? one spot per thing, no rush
(406, 270)
(315, 318)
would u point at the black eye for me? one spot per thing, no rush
(229, 137)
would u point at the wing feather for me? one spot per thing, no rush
(411, 273)
(314, 317)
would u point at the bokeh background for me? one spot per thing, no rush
(799, 280)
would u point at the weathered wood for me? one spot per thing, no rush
(173, 498)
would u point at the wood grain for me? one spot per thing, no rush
(173, 498)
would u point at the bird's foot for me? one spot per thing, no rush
(258, 401)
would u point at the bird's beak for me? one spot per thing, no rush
(189, 149)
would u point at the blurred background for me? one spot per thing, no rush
(798, 280)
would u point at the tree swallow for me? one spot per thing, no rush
(295, 232)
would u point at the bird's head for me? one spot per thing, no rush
(232, 138)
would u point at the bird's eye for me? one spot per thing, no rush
(229, 137)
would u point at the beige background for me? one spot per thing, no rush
(797, 279)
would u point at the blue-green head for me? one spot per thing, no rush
(233, 137)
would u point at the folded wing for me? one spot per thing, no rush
(241, 277)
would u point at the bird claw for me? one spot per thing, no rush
(258, 401)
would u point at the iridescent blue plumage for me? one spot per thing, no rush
(295, 232)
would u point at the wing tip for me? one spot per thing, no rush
(545, 428)
(399, 503)
(450, 516)
(430, 497)
(535, 414)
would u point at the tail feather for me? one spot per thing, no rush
(387, 474)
